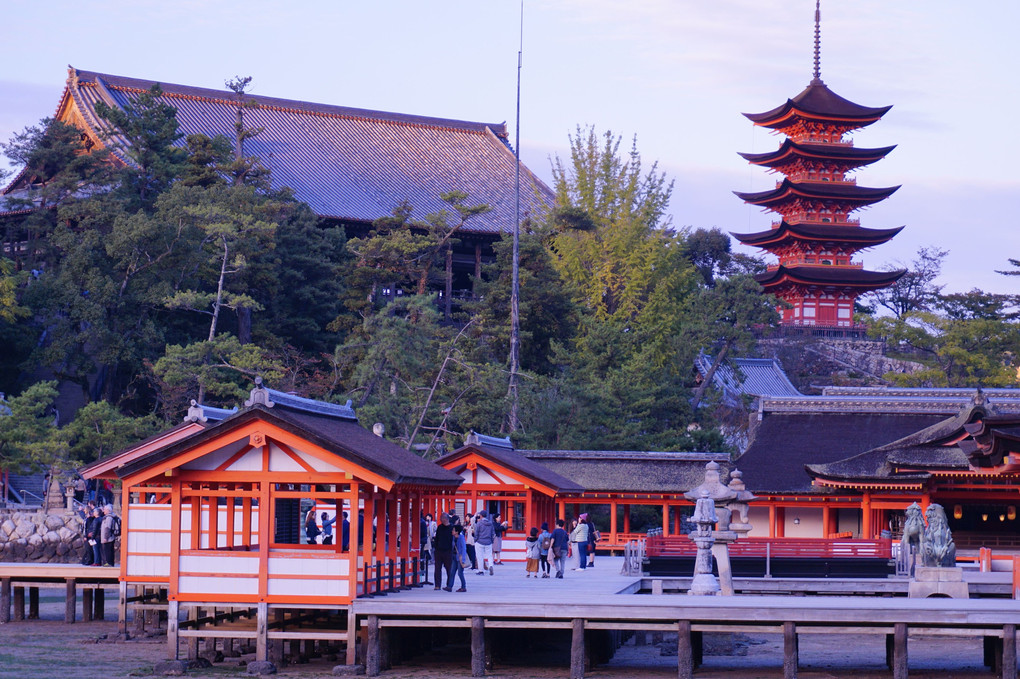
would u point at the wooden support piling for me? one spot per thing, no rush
(900, 651)
(790, 650)
(122, 608)
(1009, 652)
(5, 600)
(372, 660)
(70, 599)
(192, 642)
(172, 638)
(577, 649)
(477, 646)
(19, 603)
(99, 602)
(352, 637)
(33, 603)
(684, 652)
(86, 605)
(262, 631)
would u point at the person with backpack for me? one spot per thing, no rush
(532, 547)
(544, 546)
(460, 559)
(108, 534)
(485, 534)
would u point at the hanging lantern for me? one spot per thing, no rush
(957, 512)
(1002, 517)
(984, 517)
(1011, 512)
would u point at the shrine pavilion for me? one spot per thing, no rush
(214, 511)
(816, 236)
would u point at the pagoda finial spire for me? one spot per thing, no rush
(818, 44)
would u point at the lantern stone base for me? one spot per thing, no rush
(936, 581)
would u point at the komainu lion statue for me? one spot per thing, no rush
(937, 546)
(913, 529)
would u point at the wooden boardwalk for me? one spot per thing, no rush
(16, 578)
(602, 600)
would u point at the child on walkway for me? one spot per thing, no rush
(532, 550)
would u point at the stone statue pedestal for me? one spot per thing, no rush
(938, 581)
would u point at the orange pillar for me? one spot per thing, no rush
(612, 523)
(665, 518)
(772, 521)
(781, 522)
(826, 521)
(867, 529)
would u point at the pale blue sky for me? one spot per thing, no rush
(677, 73)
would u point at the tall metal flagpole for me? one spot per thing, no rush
(515, 291)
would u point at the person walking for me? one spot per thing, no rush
(579, 538)
(499, 526)
(484, 536)
(460, 559)
(108, 534)
(559, 548)
(442, 546)
(544, 547)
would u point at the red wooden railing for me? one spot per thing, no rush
(800, 548)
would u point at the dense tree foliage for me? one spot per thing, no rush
(182, 275)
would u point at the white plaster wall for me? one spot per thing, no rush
(810, 525)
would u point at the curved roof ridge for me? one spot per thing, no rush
(175, 90)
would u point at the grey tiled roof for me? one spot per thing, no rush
(753, 376)
(348, 163)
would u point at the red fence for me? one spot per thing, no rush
(799, 548)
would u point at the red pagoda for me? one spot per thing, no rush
(816, 237)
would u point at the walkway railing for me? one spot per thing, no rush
(392, 575)
(803, 548)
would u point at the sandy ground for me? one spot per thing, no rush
(40, 649)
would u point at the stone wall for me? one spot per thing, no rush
(37, 537)
(864, 356)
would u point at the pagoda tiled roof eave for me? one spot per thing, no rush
(817, 101)
(836, 152)
(862, 195)
(826, 275)
(857, 235)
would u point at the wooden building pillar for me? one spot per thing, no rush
(867, 529)
(826, 520)
(665, 518)
(772, 521)
(780, 522)
(369, 514)
(626, 518)
(353, 552)
(393, 521)
(612, 523)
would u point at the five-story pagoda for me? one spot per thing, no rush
(816, 238)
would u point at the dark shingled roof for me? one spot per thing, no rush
(516, 461)
(836, 233)
(843, 154)
(347, 163)
(630, 471)
(828, 275)
(341, 436)
(785, 442)
(818, 101)
(835, 191)
(918, 454)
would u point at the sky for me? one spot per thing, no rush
(674, 74)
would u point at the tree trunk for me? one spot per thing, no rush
(699, 393)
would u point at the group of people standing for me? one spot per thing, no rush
(101, 528)
(476, 542)
(456, 544)
(313, 530)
